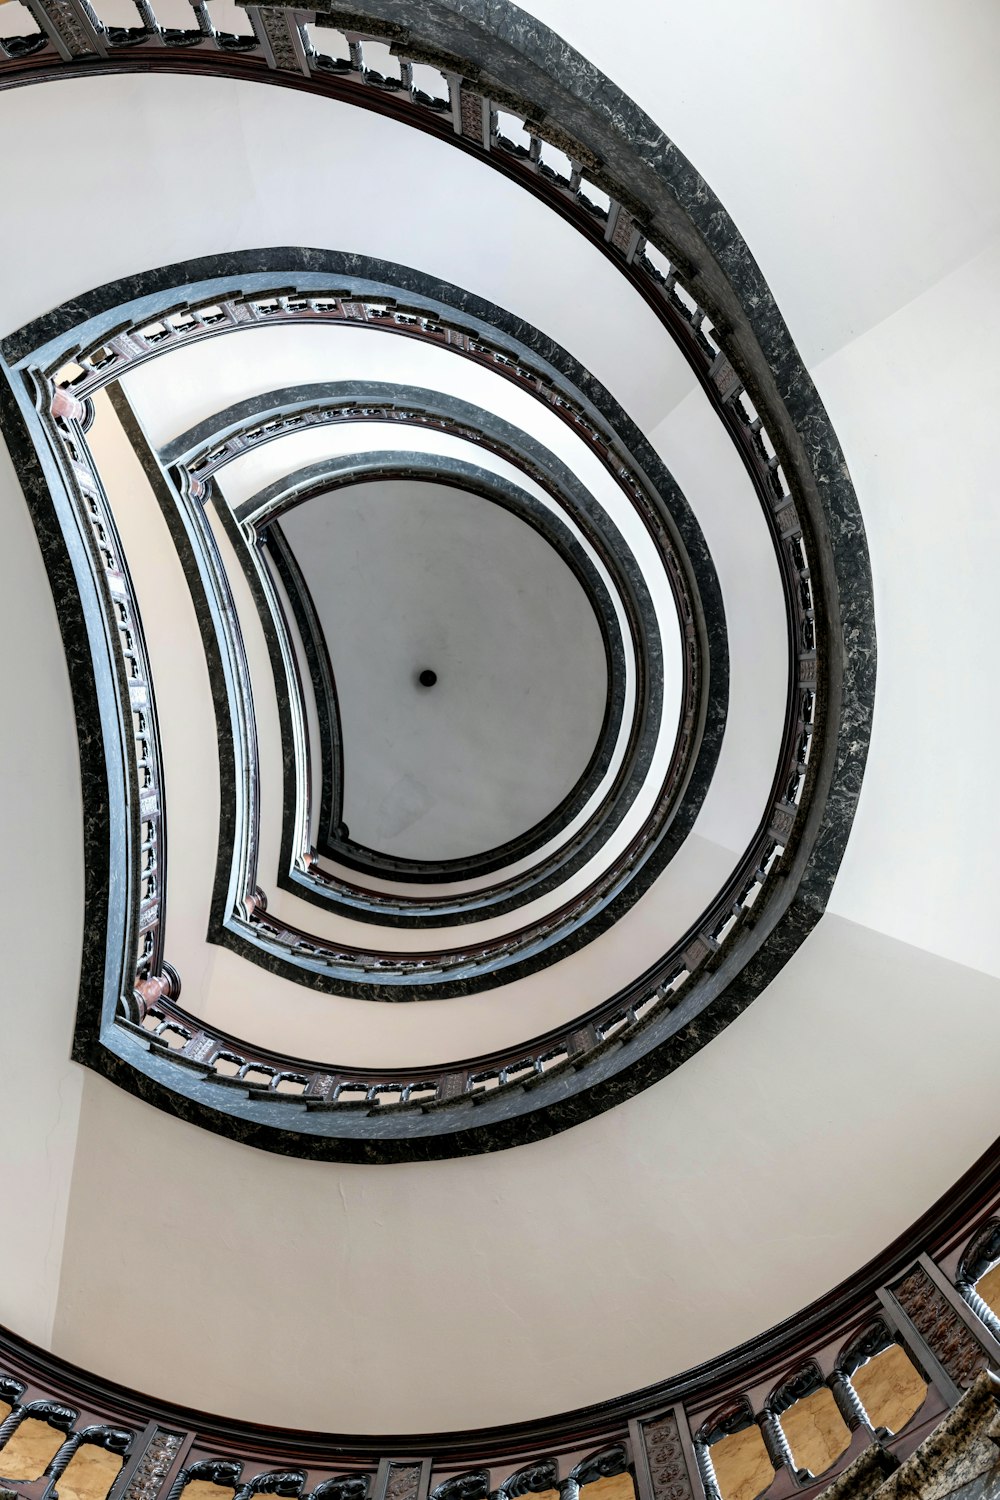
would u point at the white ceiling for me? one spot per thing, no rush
(408, 575)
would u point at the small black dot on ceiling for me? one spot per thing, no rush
(427, 678)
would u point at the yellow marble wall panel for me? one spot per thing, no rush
(30, 1449)
(817, 1434)
(891, 1391)
(741, 1465)
(620, 1487)
(204, 1489)
(89, 1474)
(988, 1287)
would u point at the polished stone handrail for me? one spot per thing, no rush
(342, 968)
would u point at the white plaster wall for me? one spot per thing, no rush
(914, 404)
(41, 927)
(853, 144)
(774, 1163)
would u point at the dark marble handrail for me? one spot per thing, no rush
(324, 1085)
(700, 949)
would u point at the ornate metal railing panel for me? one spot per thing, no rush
(62, 422)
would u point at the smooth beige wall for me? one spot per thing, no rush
(41, 918)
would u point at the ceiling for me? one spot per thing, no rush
(409, 577)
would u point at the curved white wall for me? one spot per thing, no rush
(41, 927)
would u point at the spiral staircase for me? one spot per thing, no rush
(510, 998)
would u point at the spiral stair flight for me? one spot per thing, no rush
(501, 970)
